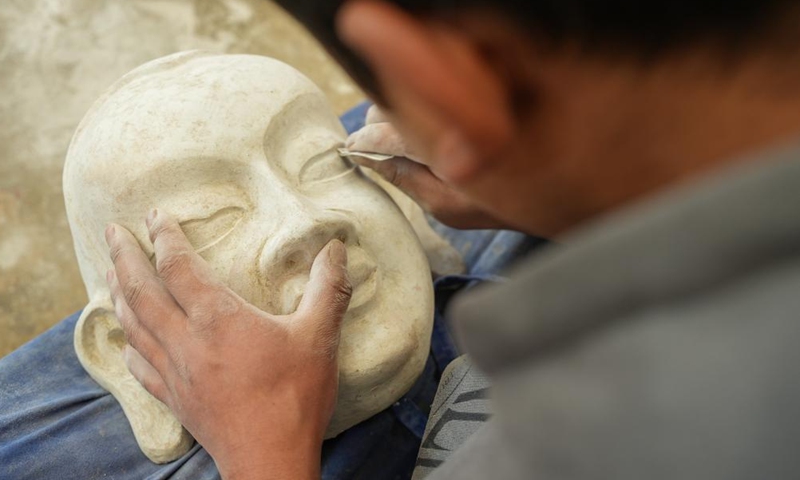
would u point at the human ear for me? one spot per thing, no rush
(99, 341)
(440, 88)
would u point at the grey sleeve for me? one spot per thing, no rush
(484, 456)
(460, 409)
(699, 388)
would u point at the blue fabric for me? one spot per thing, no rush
(354, 118)
(56, 422)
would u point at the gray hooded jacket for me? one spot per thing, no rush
(661, 342)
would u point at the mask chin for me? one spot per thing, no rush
(99, 340)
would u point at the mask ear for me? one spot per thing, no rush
(99, 340)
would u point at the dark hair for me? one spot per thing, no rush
(641, 27)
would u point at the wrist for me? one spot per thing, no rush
(291, 460)
(306, 470)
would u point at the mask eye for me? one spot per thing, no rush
(204, 233)
(325, 166)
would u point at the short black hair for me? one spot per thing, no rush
(640, 27)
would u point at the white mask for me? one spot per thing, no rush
(241, 150)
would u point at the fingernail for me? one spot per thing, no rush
(337, 253)
(151, 217)
(110, 231)
(109, 275)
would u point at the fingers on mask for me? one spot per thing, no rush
(327, 296)
(136, 286)
(137, 335)
(185, 273)
(146, 375)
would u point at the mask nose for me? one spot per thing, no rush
(290, 252)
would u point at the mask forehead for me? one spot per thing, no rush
(209, 106)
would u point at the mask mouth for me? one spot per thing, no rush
(362, 271)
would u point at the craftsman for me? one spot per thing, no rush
(655, 339)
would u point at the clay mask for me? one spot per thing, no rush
(242, 150)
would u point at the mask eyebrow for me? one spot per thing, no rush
(189, 188)
(281, 127)
(287, 132)
(182, 174)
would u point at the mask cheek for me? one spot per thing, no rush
(242, 275)
(290, 294)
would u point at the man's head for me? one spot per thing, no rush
(551, 112)
(242, 151)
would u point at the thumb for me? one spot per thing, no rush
(380, 138)
(327, 295)
(412, 178)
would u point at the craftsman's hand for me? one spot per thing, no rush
(257, 391)
(409, 172)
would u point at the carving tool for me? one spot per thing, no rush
(378, 157)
